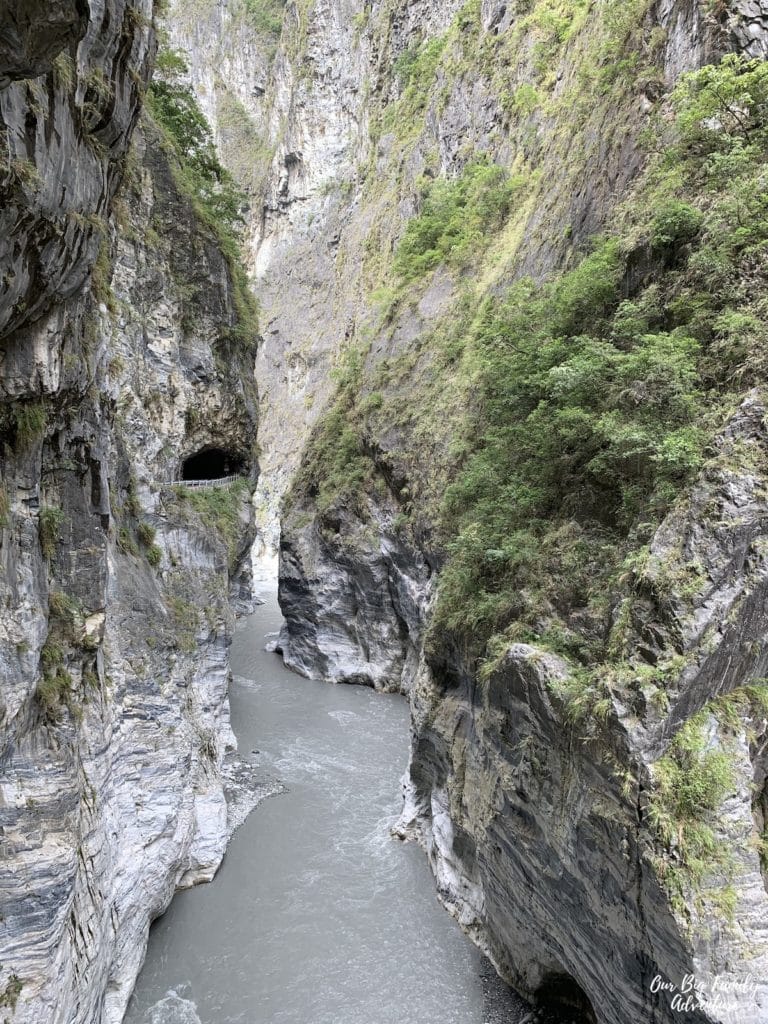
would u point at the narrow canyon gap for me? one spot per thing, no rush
(453, 316)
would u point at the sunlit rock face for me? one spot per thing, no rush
(296, 115)
(539, 846)
(117, 591)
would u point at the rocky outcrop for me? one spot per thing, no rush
(538, 827)
(315, 96)
(747, 22)
(333, 182)
(353, 614)
(65, 135)
(118, 360)
(34, 34)
(541, 830)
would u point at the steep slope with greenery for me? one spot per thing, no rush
(541, 476)
(128, 345)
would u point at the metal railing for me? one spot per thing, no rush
(223, 481)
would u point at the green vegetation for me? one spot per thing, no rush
(218, 509)
(98, 92)
(745, 702)
(65, 71)
(594, 409)
(579, 424)
(5, 507)
(126, 542)
(54, 690)
(416, 67)
(176, 110)
(692, 780)
(265, 16)
(154, 555)
(336, 468)
(245, 150)
(186, 622)
(23, 172)
(101, 275)
(218, 202)
(96, 83)
(55, 686)
(455, 219)
(66, 639)
(29, 423)
(690, 784)
(145, 534)
(49, 529)
(723, 109)
(9, 996)
(131, 541)
(66, 614)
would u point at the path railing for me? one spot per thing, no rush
(223, 481)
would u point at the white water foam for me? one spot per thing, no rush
(345, 718)
(173, 1010)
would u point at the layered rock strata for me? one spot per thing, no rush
(118, 589)
(539, 829)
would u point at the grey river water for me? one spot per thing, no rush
(316, 916)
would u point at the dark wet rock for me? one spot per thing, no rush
(34, 32)
(117, 620)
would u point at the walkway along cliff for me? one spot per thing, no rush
(529, 238)
(122, 353)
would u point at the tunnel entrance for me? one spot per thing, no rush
(212, 464)
(562, 995)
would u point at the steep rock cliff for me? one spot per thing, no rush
(332, 220)
(543, 788)
(318, 118)
(118, 361)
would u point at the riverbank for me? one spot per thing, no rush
(317, 915)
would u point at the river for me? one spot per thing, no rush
(316, 916)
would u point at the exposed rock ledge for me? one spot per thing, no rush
(353, 614)
(537, 828)
(117, 620)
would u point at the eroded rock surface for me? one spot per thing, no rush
(118, 590)
(539, 828)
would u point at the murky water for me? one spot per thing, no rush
(317, 916)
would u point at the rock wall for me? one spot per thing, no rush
(118, 589)
(537, 828)
(300, 119)
(313, 96)
(343, 183)
(353, 614)
(510, 796)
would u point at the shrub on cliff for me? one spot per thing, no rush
(593, 408)
(723, 106)
(217, 200)
(173, 105)
(456, 216)
(581, 426)
(265, 16)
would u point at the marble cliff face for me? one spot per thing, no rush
(538, 833)
(117, 362)
(118, 590)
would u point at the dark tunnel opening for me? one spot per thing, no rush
(562, 995)
(212, 464)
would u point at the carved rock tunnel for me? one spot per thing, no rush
(212, 463)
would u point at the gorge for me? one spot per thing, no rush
(502, 406)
